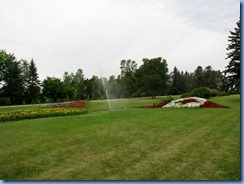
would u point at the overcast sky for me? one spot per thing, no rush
(64, 35)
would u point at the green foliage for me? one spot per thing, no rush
(19, 79)
(202, 92)
(214, 92)
(181, 82)
(186, 95)
(127, 77)
(167, 99)
(53, 88)
(114, 87)
(33, 85)
(12, 79)
(19, 82)
(233, 68)
(152, 76)
(223, 93)
(4, 101)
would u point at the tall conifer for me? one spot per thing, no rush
(233, 68)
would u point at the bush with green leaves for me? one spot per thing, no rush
(167, 99)
(186, 95)
(214, 92)
(4, 101)
(202, 92)
(222, 93)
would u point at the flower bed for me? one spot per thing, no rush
(39, 113)
(191, 102)
(211, 104)
(74, 104)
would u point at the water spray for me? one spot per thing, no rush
(110, 109)
(105, 88)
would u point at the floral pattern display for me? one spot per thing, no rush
(191, 102)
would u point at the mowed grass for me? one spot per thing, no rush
(21, 107)
(127, 144)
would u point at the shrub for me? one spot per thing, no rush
(166, 100)
(214, 92)
(222, 93)
(186, 95)
(4, 101)
(202, 92)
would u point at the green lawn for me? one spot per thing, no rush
(127, 144)
(21, 107)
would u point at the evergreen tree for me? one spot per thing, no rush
(211, 78)
(188, 82)
(233, 69)
(176, 82)
(25, 73)
(33, 88)
(198, 77)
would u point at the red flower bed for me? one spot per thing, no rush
(212, 105)
(188, 101)
(75, 104)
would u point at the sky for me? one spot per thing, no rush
(95, 35)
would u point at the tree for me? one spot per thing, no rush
(68, 85)
(33, 85)
(127, 67)
(11, 79)
(79, 85)
(53, 89)
(94, 88)
(114, 88)
(198, 77)
(3, 56)
(152, 77)
(211, 78)
(176, 82)
(128, 70)
(25, 67)
(233, 68)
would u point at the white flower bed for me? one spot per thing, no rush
(178, 103)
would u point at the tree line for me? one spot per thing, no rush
(20, 84)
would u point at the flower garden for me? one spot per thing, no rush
(57, 109)
(74, 104)
(79, 107)
(191, 102)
